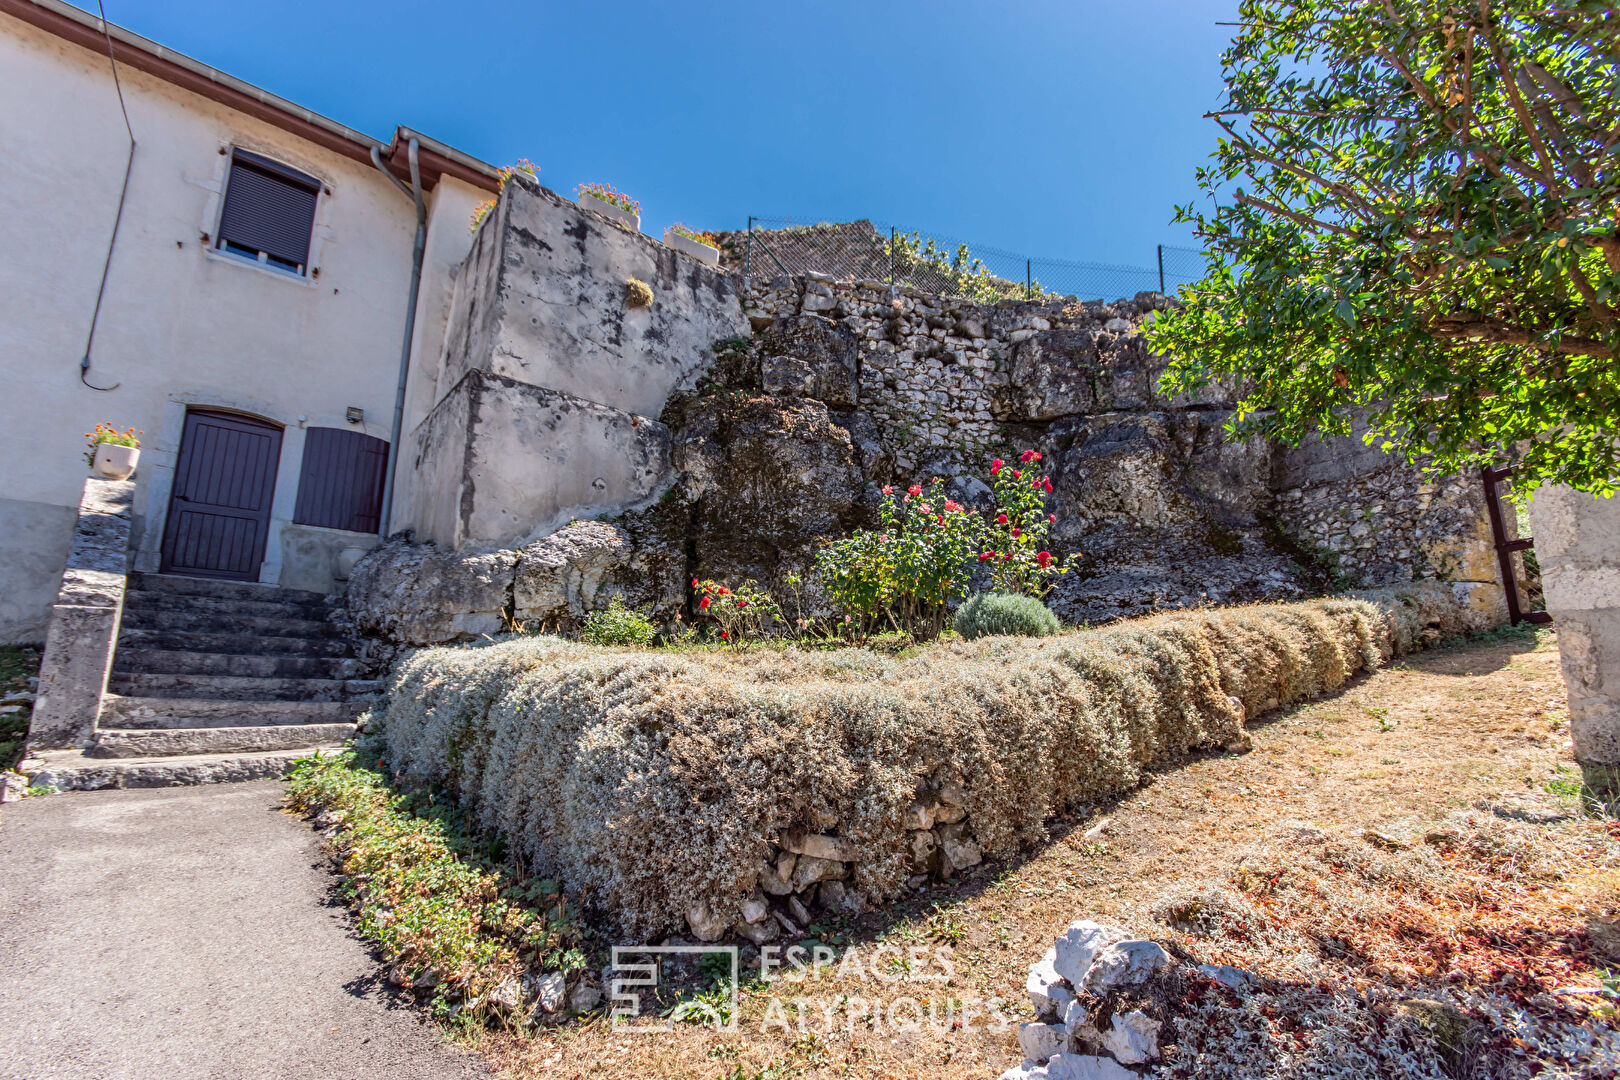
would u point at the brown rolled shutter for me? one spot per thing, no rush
(269, 208)
(341, 481)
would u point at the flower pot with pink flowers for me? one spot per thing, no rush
(113, 454)
(616, 206)
(701, 246)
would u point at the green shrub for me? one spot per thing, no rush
(983, 614)
(657, 780)
(618, 625)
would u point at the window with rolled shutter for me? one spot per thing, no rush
(269, 212)
(340, 485)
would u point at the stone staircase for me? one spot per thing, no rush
(218, 680)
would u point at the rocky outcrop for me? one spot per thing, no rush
(419, 594)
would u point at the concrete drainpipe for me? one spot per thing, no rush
(414, 193)
(1578, 548)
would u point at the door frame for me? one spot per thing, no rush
(166, 528)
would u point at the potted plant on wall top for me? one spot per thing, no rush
(616, 206)
(689, 241)
(113, 453)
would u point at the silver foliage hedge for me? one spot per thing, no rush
(648, 781)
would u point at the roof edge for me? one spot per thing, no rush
(81, 28)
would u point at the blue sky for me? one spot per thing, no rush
(1052, 128)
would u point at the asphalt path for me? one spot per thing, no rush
(190, 933)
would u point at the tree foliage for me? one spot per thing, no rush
(1413, 232)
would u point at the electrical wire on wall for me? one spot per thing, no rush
(118, 219)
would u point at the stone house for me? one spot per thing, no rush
(251, 317)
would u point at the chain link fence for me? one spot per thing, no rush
(866, 250)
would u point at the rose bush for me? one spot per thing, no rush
(1015, 551)
(746, 610)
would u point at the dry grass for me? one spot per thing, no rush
(1496, 918)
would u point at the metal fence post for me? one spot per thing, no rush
(748, 250)
(1029, 281)
(893, 235)
(1161, 269)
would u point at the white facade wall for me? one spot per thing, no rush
(181, 324)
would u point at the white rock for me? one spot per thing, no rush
(1233, 978)
(1124, 963)
(1086, 1067)
(816, 846)
(1133, 1038)
(1026, 1070)
(1077, 1025)
(810, 870)
(549, 992)
(1117, 326)
(754, 910)
(773, 881)
(509, 994)
(962, 853)
(1041, 1041)
(797, 909)
(585, 997)
(1079, 945)
(919, 816)
(1047, 994)
(705, 924)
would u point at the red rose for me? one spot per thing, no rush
(1048, 486)
(703, 604)
(724, 634)
(888, 489)
(952, 507)
(995, 466)
(987, 555)
(914, 490)
(694, 583)
(1044, 558)
(1051, 517)
(1027, 456)
(1017, 533)
(1001, 519)
(1005, 556)
(1017, 473)
(742, 603)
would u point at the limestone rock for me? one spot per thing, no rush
(1124, 963)
(1053, 375)
(549, 992)
(1132, 1038)
(962, 853)
(760, 933)
(755, 910)
(1026, 1070)
(558, 577)
(775, 877)
(1048, 995)
(822, 357)
(418, 594)
(1086, 1067)
(1233, 978)
(1041, 1041)
(585, 997)
(1078, 947)
(809, 870)
(705, 924)
(830, 848)
(1077, 1023)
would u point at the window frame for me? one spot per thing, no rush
(241, 253)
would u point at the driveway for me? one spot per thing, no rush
(186, 933)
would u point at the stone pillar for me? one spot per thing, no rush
(1578, 546)
(84, 620)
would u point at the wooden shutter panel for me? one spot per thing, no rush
(269, 208)
(341, 482)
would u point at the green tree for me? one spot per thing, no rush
(1413, 227)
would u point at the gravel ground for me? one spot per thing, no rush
(187, 933)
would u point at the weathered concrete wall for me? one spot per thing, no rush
(550, 380)
(509, 462)
(84, 619)
(542, 301)
(36, 542)
(1578, 546)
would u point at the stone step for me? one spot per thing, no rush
(237, 688)
(148, 712)
(204, 641)
(190, 742)
(240, 590)
(71, 770)
(226, 608)
(137, 618)
(138, 661)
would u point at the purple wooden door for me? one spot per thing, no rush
(219, 510)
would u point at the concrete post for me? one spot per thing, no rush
(1578, 546)
(84, 620)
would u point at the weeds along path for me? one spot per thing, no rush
(1401, 748)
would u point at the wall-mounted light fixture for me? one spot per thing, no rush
(355, 416)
